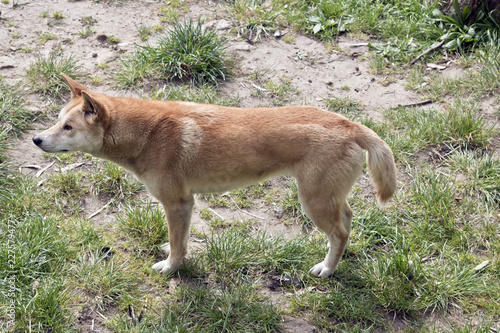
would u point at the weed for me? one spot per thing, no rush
(435, 194)
(46, 37)
(113, 39)
(327, 20)
(458, 32)
(86, 234)
(44, 307)
(236, 252)
(157, 28)
(340, 310)
(171, 11)
(219, 223)
(215, 200)
(88, 21)
(57, 15)
(465, 127)
(387, 80)
(459, 126)
(396, 49)
(281, 91)
(206, 214)
(96, 79)
(86, 32)
(144, 32)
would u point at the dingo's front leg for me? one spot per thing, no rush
(179, 219)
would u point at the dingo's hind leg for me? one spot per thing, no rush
(332, 215)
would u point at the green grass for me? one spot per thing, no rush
(282, 92)
(32, 259)
(104, 277)
(44, 73)
(197, 307)
(187, 52)
(14, 116)
(407, 130)
(144, 225)
(345, 106)
(206, 94)
(114, 183)
(483, 171)
(256, 19)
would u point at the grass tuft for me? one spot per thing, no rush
(44, 74)
(187, 52)
(146, 225)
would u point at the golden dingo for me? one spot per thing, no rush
(178, 149)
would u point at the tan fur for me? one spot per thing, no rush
(178, 149)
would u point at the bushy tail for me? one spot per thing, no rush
(380, 160)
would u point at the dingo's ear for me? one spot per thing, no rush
(94, 110)
(75, 87)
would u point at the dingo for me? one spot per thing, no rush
(178, 149)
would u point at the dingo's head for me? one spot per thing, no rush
(80, 125)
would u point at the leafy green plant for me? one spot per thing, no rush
(458, 32)
(396, 49)
(328, 19)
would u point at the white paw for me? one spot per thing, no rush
(164, 267)
(321, 270)
(165, 248)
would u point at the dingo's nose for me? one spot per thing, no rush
(37, 140)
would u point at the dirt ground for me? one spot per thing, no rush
(314, 71)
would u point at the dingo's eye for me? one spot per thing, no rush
(67, 127)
